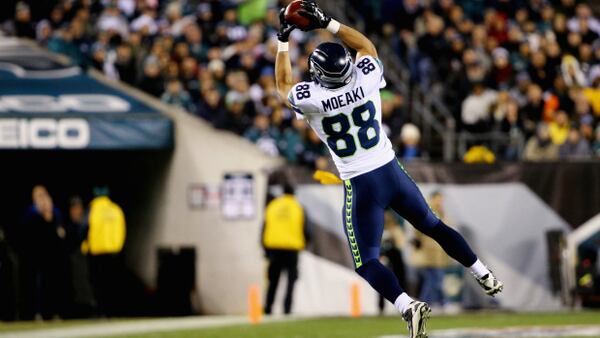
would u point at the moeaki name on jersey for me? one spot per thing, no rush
(343, 100)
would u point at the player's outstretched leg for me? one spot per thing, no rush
(363, 224)
(411, 204)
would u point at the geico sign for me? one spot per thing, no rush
(44, 133)
(63, 103)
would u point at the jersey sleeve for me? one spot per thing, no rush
(300, 99)
(370, 71)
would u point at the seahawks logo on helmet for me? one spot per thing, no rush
(330, 65)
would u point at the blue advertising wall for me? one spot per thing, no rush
(47, 105)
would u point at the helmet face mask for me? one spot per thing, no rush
(330, 65)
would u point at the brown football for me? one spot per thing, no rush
(292, 16)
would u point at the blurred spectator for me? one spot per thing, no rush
(77, 224)
(291, 142)
(23, 25)
(559, 128)
(519, 92)
(410, 136)
(592, 92)
(512, 126)
(43, 32)
(152, 79)
(533, 110)
(211, 106)
(111, 20)
(145, 22)
(583, 15)
(177, 95)
(540, 147)
(500, 107)
(539, 70)
(284, 236)
(596, 146)
(393, 115)
(81, 295)
(125, 64)
(476, 108)
(432, 46)
(63, 41)
(264, 135)
(40, 242)
(571, 71)
(502, 72)
(315, 152)
(234, 119)
(105, 240)
(430, 259)
(575, 147)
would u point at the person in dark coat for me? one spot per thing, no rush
(41, 239)
(81, 302)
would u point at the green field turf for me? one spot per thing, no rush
(374, 327)
(368, 327)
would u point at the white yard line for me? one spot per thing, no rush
(108, 329)
(517, 332)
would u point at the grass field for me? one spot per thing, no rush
(374, 327)
(369, 327)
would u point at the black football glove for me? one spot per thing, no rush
(285, 28)
(316, 16)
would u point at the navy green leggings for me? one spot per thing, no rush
(366, 198)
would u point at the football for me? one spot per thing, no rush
(292, 16)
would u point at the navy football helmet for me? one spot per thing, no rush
(330, 65)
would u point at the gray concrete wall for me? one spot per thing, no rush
(229, 257)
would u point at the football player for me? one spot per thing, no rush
(342, 104)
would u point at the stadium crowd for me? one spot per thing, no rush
(527, 68)
(530, 69)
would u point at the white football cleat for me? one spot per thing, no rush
(416, 316)
(490, 284)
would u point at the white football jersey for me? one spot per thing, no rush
(348, 119)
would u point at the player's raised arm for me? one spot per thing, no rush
(357, 41)
(350, 36)
(283, 64)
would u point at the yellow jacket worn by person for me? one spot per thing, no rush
(284, 224)
(106, 234)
